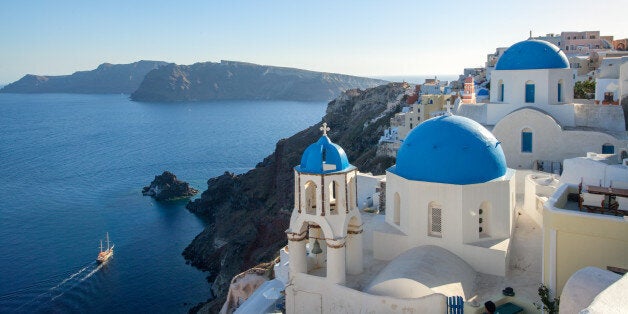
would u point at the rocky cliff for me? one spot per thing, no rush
(239, 80)
(248, 214)
(166, 187)
(106, 79)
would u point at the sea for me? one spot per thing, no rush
(72, 168)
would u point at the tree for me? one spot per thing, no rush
(584, 90)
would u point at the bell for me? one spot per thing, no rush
(316, 249)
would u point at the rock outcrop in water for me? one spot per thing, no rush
(166, 187)
(248, 214)
(239, 80)
(106, 79)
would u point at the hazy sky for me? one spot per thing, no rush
(367, 38)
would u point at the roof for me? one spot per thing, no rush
(532, 54)
(323, 156)
(450, 149)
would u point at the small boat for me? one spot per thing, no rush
(103, 256)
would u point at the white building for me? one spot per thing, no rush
(611, 81)
(450, 188)
(532, 110)
(450, 201)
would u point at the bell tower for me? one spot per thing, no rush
(325, 234)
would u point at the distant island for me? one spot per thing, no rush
(157, 81)
(106, 79)
(239, 80)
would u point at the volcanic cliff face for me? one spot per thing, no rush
(249, 213)
(239, 80)
(106, 79)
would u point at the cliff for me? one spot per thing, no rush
(248, 214)
(106, 79)
(239, 80)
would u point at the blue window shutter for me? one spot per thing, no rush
(526, 142)
(530, 93)
(560, 92)
(608, 149)
(501, 96)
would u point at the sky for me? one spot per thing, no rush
(361, 37)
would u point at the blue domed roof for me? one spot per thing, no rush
(323, 157)
(532, 54)
(483, 92)
(450, 149)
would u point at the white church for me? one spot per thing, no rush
(450, 199)
(532, 110)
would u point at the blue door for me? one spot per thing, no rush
(530, 93)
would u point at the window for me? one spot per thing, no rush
(500, 91)
(608, 149)
(435, 220)
(560, 91)
(333, 200)
(529, 92)
(526, 141)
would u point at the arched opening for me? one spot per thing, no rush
(310, 198)
(526, 140)
(435, 220)
(500, 91)
(397, 212)
(333, 197)
(483, 219)
(316, 251)
(529, 92)
(608, 148)
(560, 91)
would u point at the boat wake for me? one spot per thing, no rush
(40, 294)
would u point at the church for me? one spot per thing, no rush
(451, 207)
(533, 113)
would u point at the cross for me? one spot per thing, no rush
(324, 128)
(448, 106)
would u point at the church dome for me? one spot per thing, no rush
(532, 54)
(323, 157)
(450, 149)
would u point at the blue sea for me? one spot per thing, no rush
(73, 167)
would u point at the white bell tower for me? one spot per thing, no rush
(325, 225)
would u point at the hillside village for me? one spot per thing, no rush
(506, 190)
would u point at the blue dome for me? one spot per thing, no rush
(483, 92)
(532, 54)
(450, 149)
(323, 157)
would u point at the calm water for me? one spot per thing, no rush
(72, 168)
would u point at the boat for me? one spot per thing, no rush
(104, 256)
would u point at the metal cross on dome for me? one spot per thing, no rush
(324, 128)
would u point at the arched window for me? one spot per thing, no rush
(333, 196)
(530, 92)
(431, 101)
(397, 213)
(310, 198)
(500, 91)
(608, 149)
(526, 141)
(435, 220)
(483, 216)
(560, 91)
